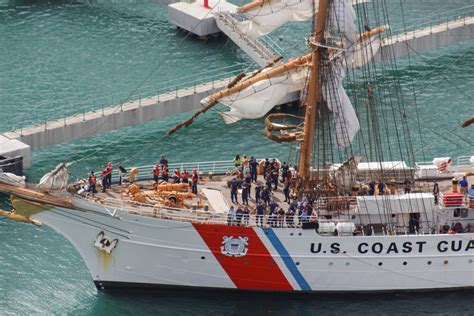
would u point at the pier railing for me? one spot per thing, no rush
(446, 18)
(172, 86)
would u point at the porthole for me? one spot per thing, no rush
(348, 264)
(380, 264)
(445, 262)
(291, 234)
(405, 263)
(203, 257)
(331, 263)
(297, 263)
(429, 262)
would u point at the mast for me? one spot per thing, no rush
(314, 96)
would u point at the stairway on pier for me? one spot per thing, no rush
(262, 54)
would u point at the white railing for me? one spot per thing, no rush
(202, 167)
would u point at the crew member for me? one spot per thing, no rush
(233, 190)
(109, 174)
(194, 180)
(156, 173)
(185, 176)
(92, 183)
(104, 178)
(164, 174)
(253, 168)
(177, 176)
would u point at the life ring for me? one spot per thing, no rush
(261, 165)
(172, 198)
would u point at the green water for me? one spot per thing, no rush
(54, 56)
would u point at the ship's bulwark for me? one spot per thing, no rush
(158, 253)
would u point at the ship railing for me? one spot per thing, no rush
(201, 216)
(204, 168)
(446, 18)
(460, 163)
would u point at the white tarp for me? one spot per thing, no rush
(216, 200)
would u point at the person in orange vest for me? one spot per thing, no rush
(109, 174)
(194, 179)
(103, 177)
(177, 176)
(92, 183)
(185, 176)
(164, 174)
(156, 173)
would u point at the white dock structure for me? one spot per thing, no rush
(187, 98)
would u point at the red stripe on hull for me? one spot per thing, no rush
(257, 270)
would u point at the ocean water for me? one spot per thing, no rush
(55, 55)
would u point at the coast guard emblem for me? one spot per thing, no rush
(234, 247)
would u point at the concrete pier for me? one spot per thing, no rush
(11, 148)
(112, 118)
(197, 19)
(427, 38)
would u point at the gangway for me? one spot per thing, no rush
(254, 48)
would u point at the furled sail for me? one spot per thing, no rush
(56, 179)
(269, 15)
(12, 179)
(263, 19)
(258, 99)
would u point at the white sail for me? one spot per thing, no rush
(346, 123)
(362, 53)
(271, 15)
(342, 16)
(55, 180)
(258, 99)
(12, 179)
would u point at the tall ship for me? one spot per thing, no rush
(349, 211)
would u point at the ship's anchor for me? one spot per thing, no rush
(105, 244)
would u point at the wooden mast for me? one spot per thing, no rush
(314, 96)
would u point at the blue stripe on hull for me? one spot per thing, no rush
(287, 259)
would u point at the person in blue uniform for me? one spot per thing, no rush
(258, 192)
(372, 188)
(286, 191)
(233, 190)
(245, 193)
(266, 196)
(253, 168)
(381, 187)
(248, 180)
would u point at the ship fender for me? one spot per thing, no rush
(105, 244)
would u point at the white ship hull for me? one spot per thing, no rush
(153, 252)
